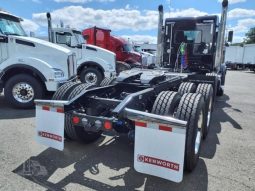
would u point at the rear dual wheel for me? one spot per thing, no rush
(207, 91)
(191, 108)
(77, 132)
(67, 92)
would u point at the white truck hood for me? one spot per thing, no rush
(101, 49)
(44, 43)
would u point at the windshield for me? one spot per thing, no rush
(79, 37)
(188, 36)
(137, 49)
(10, 27)
(127, 48)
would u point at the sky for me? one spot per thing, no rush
(134, 19)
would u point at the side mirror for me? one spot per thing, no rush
(230, 36)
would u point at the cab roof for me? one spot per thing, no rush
(4, 13)
(197, 19)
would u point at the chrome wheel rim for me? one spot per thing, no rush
(199, 131)
(23, 92)
(91, 78)
(209, 112)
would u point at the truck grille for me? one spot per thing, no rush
(71, 65)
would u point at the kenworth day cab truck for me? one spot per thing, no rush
(167, 112)
(93, 63)
(29, 66)
(122, 48)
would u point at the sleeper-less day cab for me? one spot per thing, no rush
(93, 63)
(29, 67)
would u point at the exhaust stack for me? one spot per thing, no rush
(221, 35)
(159, 40)
(49, 27)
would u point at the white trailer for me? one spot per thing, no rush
(249, 56)
(29, 66)
(240, 57)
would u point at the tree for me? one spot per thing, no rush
(250, 36)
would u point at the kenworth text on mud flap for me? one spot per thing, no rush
(93, 63)
(29, 66)
(166, 113)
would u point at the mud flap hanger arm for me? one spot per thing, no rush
(136, 115)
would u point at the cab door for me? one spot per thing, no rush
(3, 48)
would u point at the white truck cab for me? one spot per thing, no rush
(93, 63)
(29, 66)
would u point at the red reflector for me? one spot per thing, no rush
(140, 124)
(107, 125)
(60, 110)
(47, 108)
(165, 128)
(76, 120)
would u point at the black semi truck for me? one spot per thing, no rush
(166, 111)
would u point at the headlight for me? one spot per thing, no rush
(58, 73)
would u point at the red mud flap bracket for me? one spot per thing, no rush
(159, 145)
(50, 120)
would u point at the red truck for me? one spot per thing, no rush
(122, 48)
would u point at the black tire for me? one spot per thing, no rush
(187, 87)
(96, 80)
(23, 92)
(192, 110)
(63, 91)
(107, 81)
(207, 91)
(166, 103)
(78, 89)
(220, 91)
(78, 133)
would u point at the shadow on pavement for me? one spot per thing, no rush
(89, 161)
(219, 116)
(7, 112)
(113, 162)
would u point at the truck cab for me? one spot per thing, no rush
(198, 36)
(93, 63)
(29, 66)
(122, 48)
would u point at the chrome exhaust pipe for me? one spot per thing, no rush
(159, 39)
(221, 36)
(49, 27)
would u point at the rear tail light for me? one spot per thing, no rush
(107, 125)
(76, 120)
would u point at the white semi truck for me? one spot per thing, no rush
(93, 63)
(29, 67)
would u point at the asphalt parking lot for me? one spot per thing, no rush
(227, 159)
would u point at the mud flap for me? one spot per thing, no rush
(50, 121)
(159, 150)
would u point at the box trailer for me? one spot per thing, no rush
(240, 57)
(249, 56)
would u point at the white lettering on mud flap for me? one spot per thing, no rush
(50, 126)
(159, 150)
